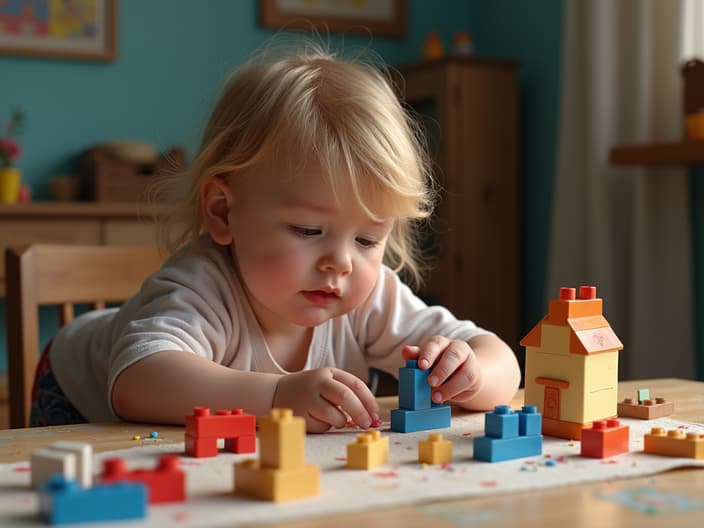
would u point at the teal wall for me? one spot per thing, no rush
(173, 55)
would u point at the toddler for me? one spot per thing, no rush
(289, 231)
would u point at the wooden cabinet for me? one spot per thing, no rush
(469, 109)
(73, 223)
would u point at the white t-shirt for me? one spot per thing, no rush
(195, 303)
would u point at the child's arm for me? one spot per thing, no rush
(164, 388)
(477, 374)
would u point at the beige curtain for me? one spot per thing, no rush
(626, 230)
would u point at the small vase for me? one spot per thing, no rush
(9, 185)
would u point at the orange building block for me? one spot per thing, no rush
(604, 439)
(370, 450)
(435, 450)
(647, 410)
(281, 474)
(674, 443)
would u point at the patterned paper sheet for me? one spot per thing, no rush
(402, 481)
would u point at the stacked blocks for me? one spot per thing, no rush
(63, 501)
(645, 407)
(510, 434)
(370, 450)
(416, 411)
(434, 450)
(281, 473)
(674, 443)
(203, 431)
(166, 483)
(73, 460)
(604, 439)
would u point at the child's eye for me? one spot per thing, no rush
(305, 231)
(366, 243)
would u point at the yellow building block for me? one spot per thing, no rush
(435, 450)
(555, 339)
(276, 485)
(368, 451)
(282, 438)
(674, 443)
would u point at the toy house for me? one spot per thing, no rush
(571, 373)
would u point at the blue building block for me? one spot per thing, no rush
(410, 421)
(491, 449)
(501, 423)
(413, 388)
(64, 501)
(530, 421)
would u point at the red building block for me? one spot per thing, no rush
(203, 430)
(166, 483)
(604, 439)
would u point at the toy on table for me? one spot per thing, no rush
(281, 473)
(509, 434)
(165, 483)
(435, 450)
(644, 407)
(417, 412)
(675, 443)
(604, 439)
(432, 47)
(203, 431)
(368, 451)
(571, 372)
(73, 460)
(63, 501)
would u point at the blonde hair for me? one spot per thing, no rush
(344, 113)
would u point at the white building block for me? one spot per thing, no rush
(45, 462)
(84, 460)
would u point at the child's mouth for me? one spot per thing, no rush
(320, 297)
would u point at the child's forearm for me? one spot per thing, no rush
(500, 373)
(164, 388)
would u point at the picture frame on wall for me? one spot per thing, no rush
(378, 17)
(76, 30)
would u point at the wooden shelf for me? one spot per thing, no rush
(676, 153)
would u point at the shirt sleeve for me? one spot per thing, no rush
(393, 317)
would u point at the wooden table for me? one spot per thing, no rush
(575, 506)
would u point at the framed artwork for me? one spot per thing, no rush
(380, 17)
(62, 29)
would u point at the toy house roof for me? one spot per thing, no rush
(590, 332)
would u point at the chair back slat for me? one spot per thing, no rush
(63, 275)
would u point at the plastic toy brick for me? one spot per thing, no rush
(166, 483)
(46, 462)
(84, 459)
(675, 443)
(435, 450)
(277, 485)
(281, 474)
(643, 394)
(410, 421)
(368, 451)
(604, 439)
(647, 409)
(203, 431)
(416, 411)
(413, 388)
(509, 434)
(64, 501)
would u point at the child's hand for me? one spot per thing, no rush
(456, 373)
(323, 396)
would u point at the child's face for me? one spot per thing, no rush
(303, 259)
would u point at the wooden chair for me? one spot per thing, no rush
(63, 275)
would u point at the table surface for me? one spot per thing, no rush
(573, 506)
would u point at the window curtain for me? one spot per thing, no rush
(627, 230)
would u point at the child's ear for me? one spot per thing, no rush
(216, 201)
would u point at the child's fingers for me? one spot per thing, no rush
(452, 358)
(353, 396)
(458, 387)
(431, 350)
(410, 352)
(323, 416)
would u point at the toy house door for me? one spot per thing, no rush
(551, 403)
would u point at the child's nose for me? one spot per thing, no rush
(337, 261)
